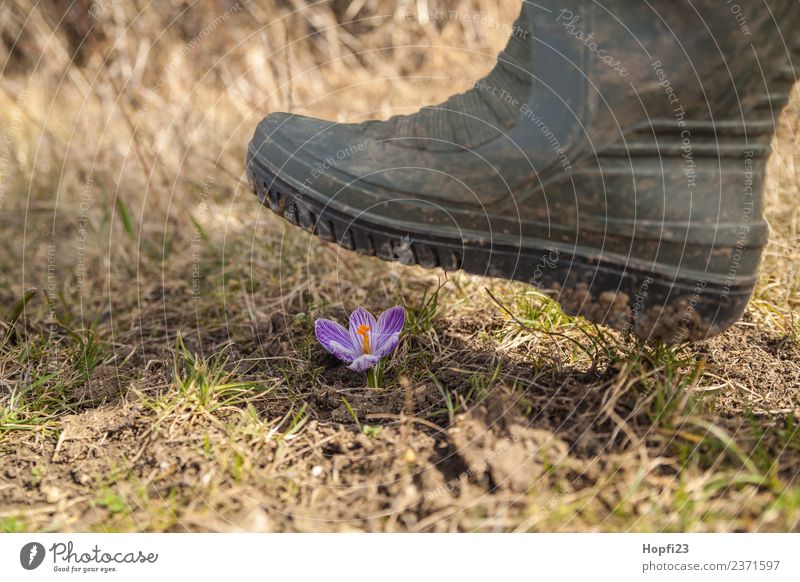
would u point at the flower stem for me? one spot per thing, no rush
(375, 376)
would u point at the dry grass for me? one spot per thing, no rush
(162, 375)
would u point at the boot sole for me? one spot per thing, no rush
(650, 305)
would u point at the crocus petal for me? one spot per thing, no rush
(336, 340)
(364, 363)
(387, 331)
(358, 318)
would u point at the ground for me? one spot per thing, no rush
(158, 370)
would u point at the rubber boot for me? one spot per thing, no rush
(614, 158)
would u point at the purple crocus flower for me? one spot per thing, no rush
(367, 341)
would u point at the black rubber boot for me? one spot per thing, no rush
(615, 158)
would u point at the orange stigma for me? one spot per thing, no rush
(363, 331)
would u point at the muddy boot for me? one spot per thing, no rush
(614, 158)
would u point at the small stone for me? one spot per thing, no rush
(255, 520)
(206, 478)
(79, 477)
(52, 494)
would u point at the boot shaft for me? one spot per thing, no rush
(712, 60)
